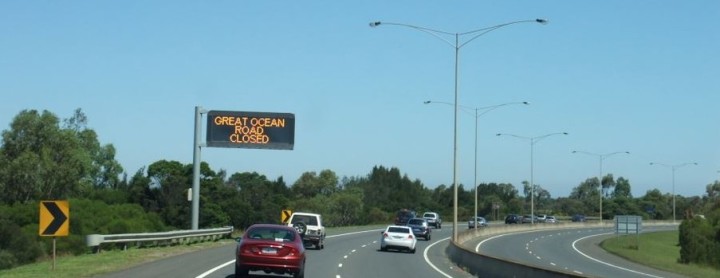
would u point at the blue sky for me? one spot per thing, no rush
(638, 76)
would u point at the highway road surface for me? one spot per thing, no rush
(576, 250)
(347, 255)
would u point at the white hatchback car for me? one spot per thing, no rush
(398, 238)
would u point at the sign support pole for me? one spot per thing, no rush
(53, 265)
(196, 168)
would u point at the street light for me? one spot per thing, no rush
(485, 109)
(456, 45)
(673, 167)
(532, 140)
(601, 157)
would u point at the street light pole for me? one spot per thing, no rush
(673, 167)
(601, 157)
(532, 140)
(456, 45)
(476, 109)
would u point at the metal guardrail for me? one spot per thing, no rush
(183, 236)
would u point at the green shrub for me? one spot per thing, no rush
(697, 244)
(18, 247)
(7, 259)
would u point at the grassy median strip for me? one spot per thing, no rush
(658, 250)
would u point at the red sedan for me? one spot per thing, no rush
(270, 248)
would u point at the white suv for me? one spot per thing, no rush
(310, 228)
(433, 219)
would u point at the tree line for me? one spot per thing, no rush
(45, 158)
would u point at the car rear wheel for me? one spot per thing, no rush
(300, 273)
(412, 251)
(427, 237)
(240, 272)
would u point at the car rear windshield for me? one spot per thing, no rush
(399, 230)
(415, 222)
(307, 219)
(429, 215)
(271, 234)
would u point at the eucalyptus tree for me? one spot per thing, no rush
(39, 159)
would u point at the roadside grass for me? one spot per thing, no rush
(659, 250)
(89, 265)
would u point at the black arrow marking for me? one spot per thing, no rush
(58, 218)
(286, 214)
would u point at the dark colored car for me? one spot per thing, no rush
(403, 215)
(420, 228)
(578, 218)
(271, 248)
(513, 219)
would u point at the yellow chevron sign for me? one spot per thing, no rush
(285, 215)
(54, 218)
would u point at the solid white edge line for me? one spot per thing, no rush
(206, 273)
(605, 263)
(427, 260)
(354, 233)
(477, 247)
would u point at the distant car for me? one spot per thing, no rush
(403, 215)
(551, 219)
(271, 248)
(529, 219)
(578, 218)
(398, 238)
(433, 219)
(479, 222)
(541, 218)
(513, 219)
(420, 228)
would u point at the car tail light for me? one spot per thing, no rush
(250, 250)
(410, 237)
(385, 235)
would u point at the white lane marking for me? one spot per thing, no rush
(354, 233)
(364, 245)
(477, 247)
(345, 257)
(605, 263)
(353, 251)
(553, 264)
(206, 273)
(427, 260)
(578, 272)
(339, 265)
